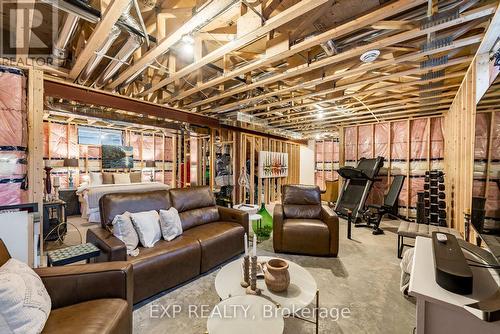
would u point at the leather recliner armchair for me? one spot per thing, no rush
(301, 225)
(90, 298)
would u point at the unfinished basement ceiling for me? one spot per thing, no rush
(289, 65)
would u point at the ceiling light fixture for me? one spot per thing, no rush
(370, 56)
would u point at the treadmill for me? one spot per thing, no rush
(358, 182)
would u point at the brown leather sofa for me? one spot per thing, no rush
(211, 236)
(301, 225)
(81, 303)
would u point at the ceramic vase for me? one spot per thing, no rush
(276, 275)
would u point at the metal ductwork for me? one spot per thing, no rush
(329, 48)
(131, 45)
(97, 57)
(59, 50)
(67, 31)
(133, 42)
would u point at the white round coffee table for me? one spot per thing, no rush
(245, 315)
(302, 291)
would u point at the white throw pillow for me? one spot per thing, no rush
(124, 230)
(25, 303)
(170, 224)
(95, 179)
(121, 178)
(147, 225)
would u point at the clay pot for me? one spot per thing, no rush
(276, 275)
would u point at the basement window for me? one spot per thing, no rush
(98, 136)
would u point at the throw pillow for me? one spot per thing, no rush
(121, 178)
(95, 179)
(147, 225)
(170, 224)
(136, 177)
(124, 230)
(24, 299)
(107, 178)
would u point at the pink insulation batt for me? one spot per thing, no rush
(13, 136)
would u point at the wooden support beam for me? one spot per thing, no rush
(351, 26)
(199, 19)
(35, 170)
(271, 24)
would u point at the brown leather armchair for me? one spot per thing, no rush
(301, 225)
(91, 298)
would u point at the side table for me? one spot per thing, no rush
(72, 254)
(54, 220)
(71, 198)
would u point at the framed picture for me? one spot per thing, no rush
(117, 157)
(273, 164)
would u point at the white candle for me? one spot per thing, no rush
(57, 182)
(254, 245)
(246, 245)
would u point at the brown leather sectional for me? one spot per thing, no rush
(80, 300)
(301, 225)
(211, 236)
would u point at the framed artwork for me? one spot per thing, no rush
(117, 157)
(273, 164)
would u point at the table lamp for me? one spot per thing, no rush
(151, 164)
(71, 163)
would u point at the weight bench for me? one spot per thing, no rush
(389, 207)
(413, 230)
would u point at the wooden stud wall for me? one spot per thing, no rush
(459, 155)
(270, 188)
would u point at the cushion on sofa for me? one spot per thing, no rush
(123, 229)
(311, 211)
(170, 224)
(164, 266)
(95, 316)
(312, 235)
(147, 225)
(25, 303)
(219, 242)
(191, 198)
(195, 217)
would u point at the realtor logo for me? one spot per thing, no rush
(28, 27)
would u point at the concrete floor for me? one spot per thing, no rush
(363, 279)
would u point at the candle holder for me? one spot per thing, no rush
(245, 283)
(56, 192)
(252, 289)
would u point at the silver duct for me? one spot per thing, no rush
(130, 46)
(99, 54)
(59, 51)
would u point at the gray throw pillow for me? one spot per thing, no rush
(147, 225)
(24, 302)
(124, 230)
(170, 224)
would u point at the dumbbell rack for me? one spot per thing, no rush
(431, 204)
